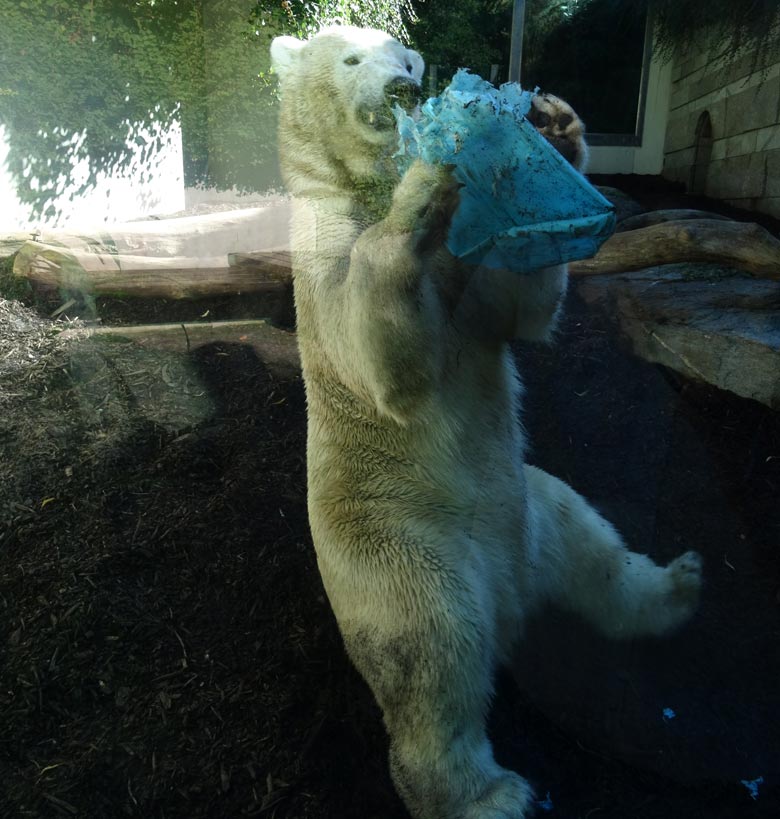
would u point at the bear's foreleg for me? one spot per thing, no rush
(392, 310)
(582, 564)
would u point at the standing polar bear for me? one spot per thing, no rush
(434, 539)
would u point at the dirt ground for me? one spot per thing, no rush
(166, 648)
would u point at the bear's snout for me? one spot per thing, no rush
(404, 92)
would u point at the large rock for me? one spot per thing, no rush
(625, 206)
(705, 321)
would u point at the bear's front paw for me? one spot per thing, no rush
(685, 578)
(424, 203)
(559, 124)
(680, 592)
(507, 797)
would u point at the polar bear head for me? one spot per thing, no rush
(338, 90)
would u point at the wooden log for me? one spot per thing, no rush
(211, 234)
(11, 243)
(656, 217)
(50, 268)
(273, 265)
(277, 348)
(743, 245)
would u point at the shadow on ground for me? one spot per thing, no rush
(167, 649)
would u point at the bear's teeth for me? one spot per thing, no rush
(371, 117)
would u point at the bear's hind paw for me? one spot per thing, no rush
(685, 576)
(507, 797)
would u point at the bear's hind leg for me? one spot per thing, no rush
(584, 566)
(434, 686)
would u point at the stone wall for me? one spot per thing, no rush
(723, 132)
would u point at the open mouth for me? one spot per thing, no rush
(377, 118)
(402, 92)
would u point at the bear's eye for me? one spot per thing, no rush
(352, 61)
(409, 67)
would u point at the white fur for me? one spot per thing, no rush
(434, 539)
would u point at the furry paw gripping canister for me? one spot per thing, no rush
(523, 206)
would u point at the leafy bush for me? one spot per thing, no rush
(79, 80)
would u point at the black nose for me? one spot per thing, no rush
(403, 91)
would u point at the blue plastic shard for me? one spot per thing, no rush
(752, 785)
(523, 206)
(546, 804)
(669, 713)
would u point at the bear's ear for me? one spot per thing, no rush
(418, 65)
(284, 53)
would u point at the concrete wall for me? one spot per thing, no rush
(742, 98)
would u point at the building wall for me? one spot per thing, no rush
(741, 165)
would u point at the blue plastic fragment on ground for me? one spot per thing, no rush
(669, 713)
(545, 804)
(752, 785)
(523, 206)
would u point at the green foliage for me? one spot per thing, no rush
(733, 25)
(730, 25)
(569, 48)
(468, 33)
(575, 49)
(81, 78)
(99, 68)
(301, 18)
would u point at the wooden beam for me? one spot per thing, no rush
(50, 268)
(278, 349)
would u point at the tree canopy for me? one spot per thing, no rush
(81, 78)
(732, 25)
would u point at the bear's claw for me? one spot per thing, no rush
(425, 202)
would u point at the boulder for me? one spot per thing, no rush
(705, 321)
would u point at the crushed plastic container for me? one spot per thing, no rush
(523, 206)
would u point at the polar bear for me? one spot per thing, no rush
(434, 539)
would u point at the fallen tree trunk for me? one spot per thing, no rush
(50, 268)
(743, 245)
(657, 217)
(11, 243)
(277, 348)
(211, 234)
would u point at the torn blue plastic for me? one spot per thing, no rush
(752, 785)
(669, 713)
(523, 206)
(546, 804)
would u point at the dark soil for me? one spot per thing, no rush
(167, 650)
